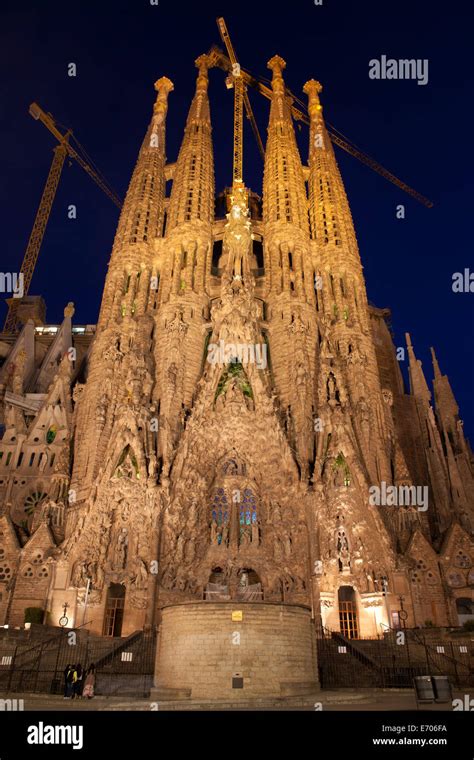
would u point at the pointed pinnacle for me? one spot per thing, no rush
(276, 64)
(436, 368)
(163, 87)
(164, 84)
(202, 63)
(418, 384)
(312, 88)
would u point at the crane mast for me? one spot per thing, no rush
(41, 220)
(239, 87)
(37, 234)
(237, 169)
(241, 103)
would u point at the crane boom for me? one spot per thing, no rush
(253, 124)
(41, 220)
(37, 113)
(222, 61)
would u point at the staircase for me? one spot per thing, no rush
(385, 663)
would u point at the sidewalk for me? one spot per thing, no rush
(340, 700)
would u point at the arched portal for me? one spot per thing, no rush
(114, 609)
(348, 612)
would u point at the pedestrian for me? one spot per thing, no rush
(78, 681)
(66, 672)
(70, 679)
(89, 682)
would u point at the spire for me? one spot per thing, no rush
(437, 371)
(192, 195)
(284, 193)
(446, 406)
(329, 211)
(418, 384)
(141, 219)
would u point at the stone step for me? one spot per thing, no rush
(282, 703)
(160, 694)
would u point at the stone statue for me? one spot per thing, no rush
(225, 535)
(245, 537)
(244, 580)
(121, 550)
(139, 577)
(79, 575)
(152, 465)
(342, 547)
(180, 548)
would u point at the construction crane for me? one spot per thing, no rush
(41, 220)
(241, 100)
(225, 62)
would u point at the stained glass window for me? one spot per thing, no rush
(220, 511)
(248, 510)
(51, 434)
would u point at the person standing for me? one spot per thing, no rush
(70, 674)
(78, 681)
(89, 682)
(66, 673)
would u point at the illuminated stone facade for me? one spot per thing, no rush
(221, 433)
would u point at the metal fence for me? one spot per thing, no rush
(123, 665)
(391, 661)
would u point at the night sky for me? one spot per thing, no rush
(421, 133)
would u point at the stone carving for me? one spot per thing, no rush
(121, 550)
(139, 574)
(342, 549)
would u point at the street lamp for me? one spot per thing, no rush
(385, 593)
(64, 620)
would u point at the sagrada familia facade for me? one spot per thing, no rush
(233, 436)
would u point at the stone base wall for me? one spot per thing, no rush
(205, 648)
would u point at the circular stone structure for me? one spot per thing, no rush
(236, 650)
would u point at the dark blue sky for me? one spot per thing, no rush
(421, 133)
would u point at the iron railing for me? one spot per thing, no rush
(122, 665)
